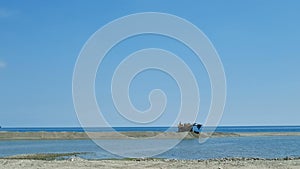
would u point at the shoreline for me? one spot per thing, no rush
(76, 156)
(128, 135)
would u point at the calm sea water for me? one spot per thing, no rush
(172, 129)
(269, 146)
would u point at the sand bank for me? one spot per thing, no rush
(76, 163)
(124, 135)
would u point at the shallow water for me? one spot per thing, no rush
(262, 147)
(223, 129)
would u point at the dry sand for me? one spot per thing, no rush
(151, 164)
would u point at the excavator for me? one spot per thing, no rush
(195, 127)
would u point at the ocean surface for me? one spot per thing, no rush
(257, 147)
(230, 129)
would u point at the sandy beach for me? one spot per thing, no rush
(76, 163)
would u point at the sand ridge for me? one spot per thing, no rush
(126, 135)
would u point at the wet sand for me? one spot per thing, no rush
(125, 135)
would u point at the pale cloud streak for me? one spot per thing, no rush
(2, 65)
(4, 13)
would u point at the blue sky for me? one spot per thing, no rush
(258, 43)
